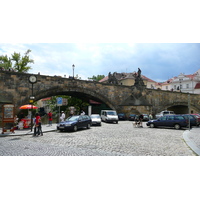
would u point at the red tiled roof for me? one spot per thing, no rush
(197, 86)
(127, 76)
(46, 99)
(104, 79)
(94, 102)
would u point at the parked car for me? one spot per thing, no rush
(96, 119)
(176, 121)
(131, 117)
(121, 116)
(198, 118)
(75, 122)
(145, 117)
(165, 112)
(109, 116)
(193, 119)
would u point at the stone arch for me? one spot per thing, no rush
(181, 107)
(73, 91)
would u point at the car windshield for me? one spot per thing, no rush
(73, 118)
(111, 113)
(95, 116)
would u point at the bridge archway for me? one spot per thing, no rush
(182, 108)
(81, 93)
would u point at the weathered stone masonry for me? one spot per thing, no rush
(15, 88)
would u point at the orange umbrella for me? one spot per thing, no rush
(28, 107)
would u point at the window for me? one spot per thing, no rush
(170, 117)
(187, 86)
(166, 87)
(175, 87)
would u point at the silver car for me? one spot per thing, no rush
(96, 119)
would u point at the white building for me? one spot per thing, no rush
(186, 83)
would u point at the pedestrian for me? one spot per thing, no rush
(62, 117)
(150, 116)
(137, 122)
(140, 120)
(50, 118)
(82, 112)
(38, 125)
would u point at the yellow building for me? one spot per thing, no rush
(129, 80)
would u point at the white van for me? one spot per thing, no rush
(165, 112)
(109, 116)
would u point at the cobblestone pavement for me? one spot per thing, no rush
(108, 140)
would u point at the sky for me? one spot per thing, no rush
(158, 61)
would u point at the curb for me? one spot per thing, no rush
(190, 143)
(23, 134)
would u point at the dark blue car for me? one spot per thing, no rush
(75, 122)
(174, 121)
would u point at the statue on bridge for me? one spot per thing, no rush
(138, 79)
(112, 78)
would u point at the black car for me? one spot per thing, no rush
(175, 121)
(122, 116)
(75, 122)
(131, 117)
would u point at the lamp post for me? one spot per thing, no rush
(32, 80)
(189, 109)
(73, 66)
(180, 85)
(31, 100)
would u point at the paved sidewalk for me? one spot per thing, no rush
(45, 128)
(191, 137)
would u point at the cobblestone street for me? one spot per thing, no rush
(108, 140)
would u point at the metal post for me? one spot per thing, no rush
(189, 109)
(32, 111)
(73, 66)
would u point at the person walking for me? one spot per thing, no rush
(140, 120)
(38, 125)
(50, 115)
(62, 117)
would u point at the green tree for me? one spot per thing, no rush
(5, 62)
(17, 62)
(97, 78)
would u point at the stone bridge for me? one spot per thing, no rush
(16, 89)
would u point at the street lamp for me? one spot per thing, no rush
(32, 80)
(73, 66)
(180, 84)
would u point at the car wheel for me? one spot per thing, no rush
(75, 128)
(177, 126)
(88, 126)
(152, 126)
(100, 124)
(116, 122)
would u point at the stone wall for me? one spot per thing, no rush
(15, 88)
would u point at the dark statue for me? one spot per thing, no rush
(112, 78)
(138, 78)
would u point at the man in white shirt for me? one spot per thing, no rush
(62, 116)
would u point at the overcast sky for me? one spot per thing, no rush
(158, 61)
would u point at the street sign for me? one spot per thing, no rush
(65, 101)
(59, 101)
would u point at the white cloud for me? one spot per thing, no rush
(157, 61)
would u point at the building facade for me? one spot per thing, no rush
(183, 83)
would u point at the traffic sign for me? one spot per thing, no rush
(59, 101)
